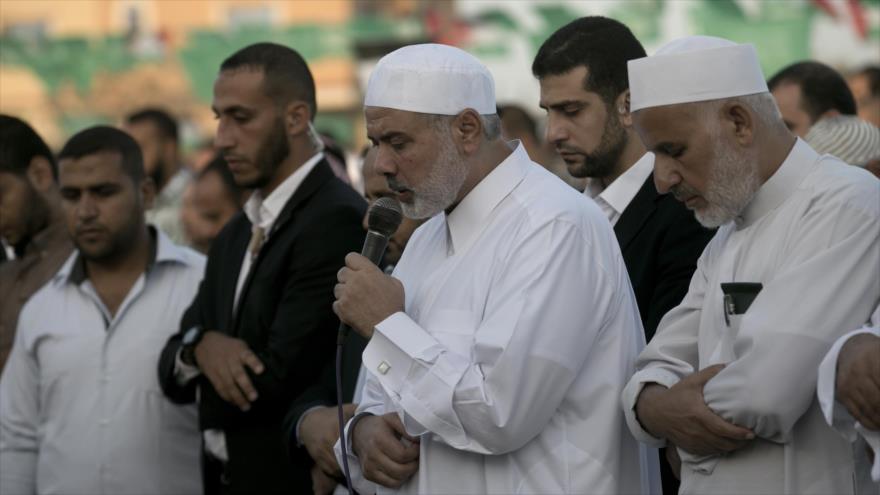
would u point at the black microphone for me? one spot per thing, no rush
(383, 218)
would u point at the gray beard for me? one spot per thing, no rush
(442, 185)
(733, 182)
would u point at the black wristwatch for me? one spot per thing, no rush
(191, 339)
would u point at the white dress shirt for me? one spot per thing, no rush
(810, 236)
(81, 410)
(262, 213)
(520, 329)
(614, 199)
(836, 414)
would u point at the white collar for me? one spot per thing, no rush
(799, 162)
(263, 212)
(166, 252)
(467, 219)
(624, 188)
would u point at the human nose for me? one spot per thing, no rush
(665, 175)
(556, 132)
(86, 208)
(385, 164)
(224, 138)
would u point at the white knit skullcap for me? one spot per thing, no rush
(694, 68)
(431, 78)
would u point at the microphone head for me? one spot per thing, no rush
(384, 216)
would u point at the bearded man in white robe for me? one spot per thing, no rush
(730, 377)
(499, 347)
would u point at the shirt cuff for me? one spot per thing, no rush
(396, 343)
(630, 396)
(183, 372)
(300, 420)
(826, 387)
(358, 482)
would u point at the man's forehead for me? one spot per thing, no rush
(670, 123)
(237, 86)
(382, 120)
(106, 163)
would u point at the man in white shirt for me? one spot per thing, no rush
(730, 376)
(498, 347)
(81, 410)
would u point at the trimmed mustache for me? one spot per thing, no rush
(396, 185)
(566, 149)
(683, 192)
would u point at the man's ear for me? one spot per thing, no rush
(621, 109)
(467, 130)
(297, 116)
(39, 173)
(148, 192)
(741, 120)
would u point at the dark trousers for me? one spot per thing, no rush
(667, 477)
(215, 477)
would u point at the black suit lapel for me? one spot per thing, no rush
(238, 246)
(316, 178)
(636, 213)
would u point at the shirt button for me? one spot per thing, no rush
(383, 368)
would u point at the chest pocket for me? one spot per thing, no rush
(454, 329)
(737, 297)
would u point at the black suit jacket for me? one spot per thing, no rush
(323, 393)
(661, 241)
(284, 315)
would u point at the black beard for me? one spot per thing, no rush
(37, 219)
(275, 149)
(603, 160)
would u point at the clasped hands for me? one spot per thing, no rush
(389, 456)
(318, 432)
(680, 415)
(364, 295)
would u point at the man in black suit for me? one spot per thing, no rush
(261, 328)
(582, 69)
(311, 425)
(585, 91)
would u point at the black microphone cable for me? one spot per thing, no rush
(383, 218)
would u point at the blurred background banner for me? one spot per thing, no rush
(66, 64)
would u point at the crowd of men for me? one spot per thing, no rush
(701, 315)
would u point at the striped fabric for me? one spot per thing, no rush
(847, 137)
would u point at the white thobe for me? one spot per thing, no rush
(811, 236)
(81, 409)
(836, 414)
(519, 331)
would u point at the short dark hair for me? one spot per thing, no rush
(822, 88)
(218, 166)
(600, 44)
(102, 138)
(517, 120)
(286, 74)
(872, 72)
(19, 144)
(163, 121)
